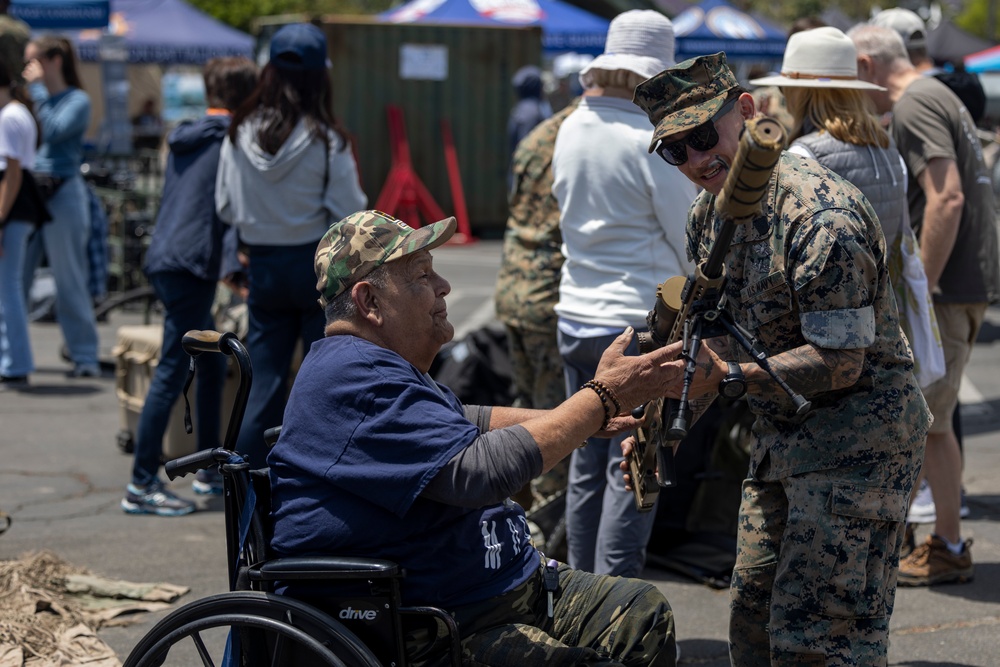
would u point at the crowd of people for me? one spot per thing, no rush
(866, 275)
(907, 212)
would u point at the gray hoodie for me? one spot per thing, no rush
(289, 198)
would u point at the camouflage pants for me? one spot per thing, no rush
(538, 383)
(537, 368)
(815, 575)
(598, 620)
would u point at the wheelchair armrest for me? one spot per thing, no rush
(324, 567)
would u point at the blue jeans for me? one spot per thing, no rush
(64, 241)
(187, 301)
(605, 533)
(15, 343)
(283, 310)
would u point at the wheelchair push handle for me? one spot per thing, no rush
(201, 460)
(195, 342)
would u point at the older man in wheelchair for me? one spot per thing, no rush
(382, 532)
(376, 459)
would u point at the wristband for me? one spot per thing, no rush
(602, 394)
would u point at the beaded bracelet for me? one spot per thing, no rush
(600, 390)
(611, 396)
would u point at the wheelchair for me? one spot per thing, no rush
(357, 621)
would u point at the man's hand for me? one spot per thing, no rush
(618, 425)
(627, 445)
(709, 371)
(637, 379)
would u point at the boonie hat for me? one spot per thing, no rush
(640, 41)
(686, 95)
(364, 241)
(819, 58)
(299, 46)
(907, 23)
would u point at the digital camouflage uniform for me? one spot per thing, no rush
(528, 283)
(528, 286)
(823, 509)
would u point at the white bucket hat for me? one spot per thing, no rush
(640, 41)
(819, 58)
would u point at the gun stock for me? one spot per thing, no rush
(651, 460)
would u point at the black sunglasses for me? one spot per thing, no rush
(702, 138)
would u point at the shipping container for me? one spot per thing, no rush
(433, 73)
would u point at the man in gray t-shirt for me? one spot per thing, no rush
(935, 134)
(952, 211)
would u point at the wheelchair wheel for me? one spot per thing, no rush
(273, 630)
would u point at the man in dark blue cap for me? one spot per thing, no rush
(531, 109)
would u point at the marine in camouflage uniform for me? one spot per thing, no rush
(528, 283)
(528, 286)
(823, 510)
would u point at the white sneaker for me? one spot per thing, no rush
(963, 509)
(922, 510)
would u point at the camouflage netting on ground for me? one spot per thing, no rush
(50, 611)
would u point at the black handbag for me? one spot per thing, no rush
(29, 205)
(48, 185)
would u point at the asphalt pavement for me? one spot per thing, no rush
(62, 477)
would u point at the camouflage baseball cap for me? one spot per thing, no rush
(686, 95)
(364, 241)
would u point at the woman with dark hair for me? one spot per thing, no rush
(64, 112)
(21, 209)
(286, 173)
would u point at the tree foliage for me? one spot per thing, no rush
(241, 13)
(977, 20)
(786, 12)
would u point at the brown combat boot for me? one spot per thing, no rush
(909, 543)
(933, 563)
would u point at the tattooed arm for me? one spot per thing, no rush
(808, 369)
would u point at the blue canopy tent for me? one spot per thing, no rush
(564, 27)
(61, 14)
(165, 32)
(714, 25)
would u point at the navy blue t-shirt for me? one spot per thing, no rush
(363, 433)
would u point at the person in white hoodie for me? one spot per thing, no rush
(286, 173)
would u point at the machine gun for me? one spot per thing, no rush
(693, 308)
